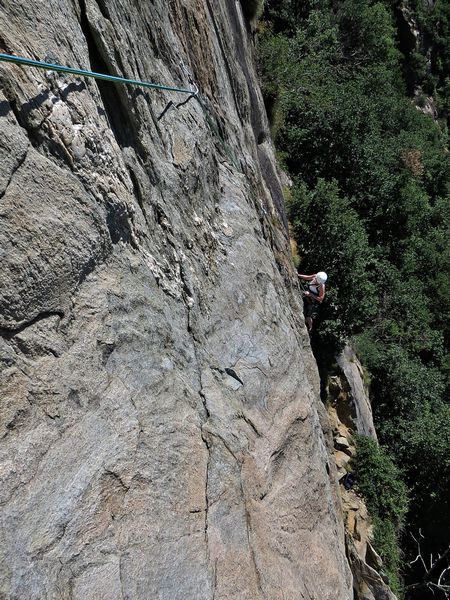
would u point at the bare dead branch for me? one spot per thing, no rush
(437, 570)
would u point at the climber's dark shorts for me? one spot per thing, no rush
(311, 308)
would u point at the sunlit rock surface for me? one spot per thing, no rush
(160, 413)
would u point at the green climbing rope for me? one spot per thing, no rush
(20, 60)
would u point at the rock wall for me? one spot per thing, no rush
(160, 432)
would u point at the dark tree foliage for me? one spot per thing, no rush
(285, 15)
(252, 8)
(380, 482)
(371, 206)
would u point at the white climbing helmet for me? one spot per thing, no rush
(321, 277)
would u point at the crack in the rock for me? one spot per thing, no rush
(231, 79)
(207, 505)
(248, 528)
(204, 437)
(117, 478)
(122, 586)
(243, 416)
(20, 162)
(138, 195)
(219, 437)
(215, 579)
(252, 367)
(122, 120)
(8, 333)
(104, 10)
(232, 373)
(17, 114)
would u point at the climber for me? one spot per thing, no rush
(348, 481)
(313, 295)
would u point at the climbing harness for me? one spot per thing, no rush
(20, 60)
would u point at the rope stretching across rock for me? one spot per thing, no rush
(20, 60)
(28, 62)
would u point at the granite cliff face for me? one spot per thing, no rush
(161, 429)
